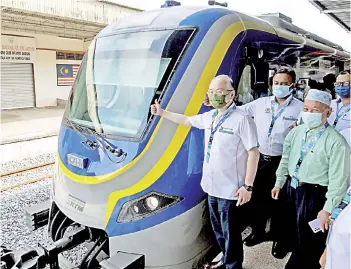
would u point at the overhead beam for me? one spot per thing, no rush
(319, 5)
(327, 11)
(39, 25)
(330, 0)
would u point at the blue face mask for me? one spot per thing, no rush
(343, 91)
(281, 91)
(312, 120)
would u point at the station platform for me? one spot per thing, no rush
(20, 125)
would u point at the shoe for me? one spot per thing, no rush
(278, 250)
(255, 239)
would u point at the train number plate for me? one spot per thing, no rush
(76, 203)
(77, 161)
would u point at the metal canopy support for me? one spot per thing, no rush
(26, 21)
(338, 11)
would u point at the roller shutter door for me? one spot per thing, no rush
(17, 85)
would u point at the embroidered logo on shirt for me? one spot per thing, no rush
(226, 130)
(345, 117)
(268, 110)
(290, 118)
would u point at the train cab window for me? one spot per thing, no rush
(244, 92)
(119, 78)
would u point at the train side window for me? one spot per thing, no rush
(244, 91)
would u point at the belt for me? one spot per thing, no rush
(309, 185)
(268, 158)
(312, 186)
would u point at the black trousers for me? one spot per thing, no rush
(262, 205)
(225, 220)
(284, 221)
(308, 200)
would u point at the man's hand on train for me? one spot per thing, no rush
(156, 109)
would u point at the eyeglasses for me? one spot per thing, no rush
(218, 91)
(345, 83)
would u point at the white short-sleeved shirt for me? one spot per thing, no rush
(261, 111)
(344, 121)
(225, 171)
(338, 247)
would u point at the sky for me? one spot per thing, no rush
(303, 14)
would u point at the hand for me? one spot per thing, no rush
(206, 101)
(244, 196)
(324, 217)
(275, 193)
(156, 109)
(292, 126)
(323, 259)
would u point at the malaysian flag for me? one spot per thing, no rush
(66, 73)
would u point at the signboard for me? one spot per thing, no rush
(66, 74)
(16, 49)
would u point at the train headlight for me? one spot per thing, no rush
(152, 203)
(146, 206)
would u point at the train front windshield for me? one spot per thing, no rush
(119, 77)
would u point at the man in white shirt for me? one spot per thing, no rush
(230, 164)
(273, 116)
(340, 117)
(337, 254)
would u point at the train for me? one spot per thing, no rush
(127, 183)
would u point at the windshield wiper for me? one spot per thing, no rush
(106, 145)
(87, 141)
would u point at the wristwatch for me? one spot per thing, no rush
(247, 187)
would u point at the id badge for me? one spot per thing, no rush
(269, 141)
(294, 182)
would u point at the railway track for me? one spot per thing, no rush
(22, 173)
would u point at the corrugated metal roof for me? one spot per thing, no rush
(337, 10)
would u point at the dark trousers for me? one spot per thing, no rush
(262, 205)
(283, 221)
(308, 200)
(225, 220)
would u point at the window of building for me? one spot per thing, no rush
(62, 55)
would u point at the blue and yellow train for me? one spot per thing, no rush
(129, 182)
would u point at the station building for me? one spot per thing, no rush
(42, 45)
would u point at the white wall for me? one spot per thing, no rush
(46, 90)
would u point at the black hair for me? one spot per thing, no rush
(345, 72)
(290, 73)
(329, 79)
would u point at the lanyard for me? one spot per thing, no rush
(306, 148)
(342, 205)
(215, 129)
(339, 115)
(280, 112)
